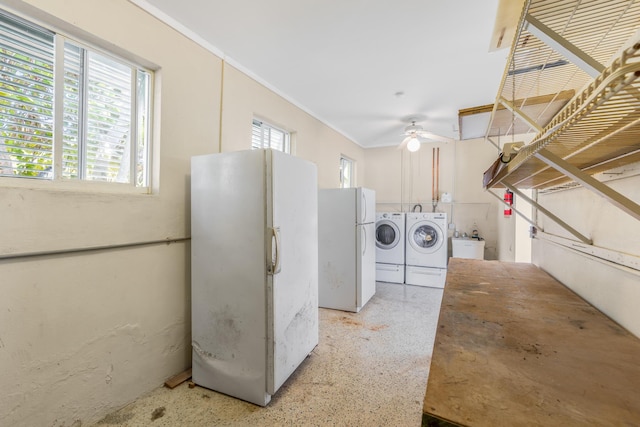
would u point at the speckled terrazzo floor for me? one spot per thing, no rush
(369, 369)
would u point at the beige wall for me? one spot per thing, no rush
(402, 180)
(46, 217)
(244, 98)
(384, 175)
(83, 333)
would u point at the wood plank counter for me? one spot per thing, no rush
(514, 347)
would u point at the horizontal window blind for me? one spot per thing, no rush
(105, 115)
(108, 120)
(257, 135)
(143, 127)
(73, 101)
(26, 99)
(266, 136)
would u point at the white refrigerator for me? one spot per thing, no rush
(254, 270)
(347, 251)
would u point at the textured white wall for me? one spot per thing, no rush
(613, 289)
(83, 334)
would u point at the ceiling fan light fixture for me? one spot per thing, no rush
(412, 128)
(413, 145)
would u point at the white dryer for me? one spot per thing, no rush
(426, 249)
(390, 247)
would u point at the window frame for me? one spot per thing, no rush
(57, 181)
(347, 161)
(264, 125)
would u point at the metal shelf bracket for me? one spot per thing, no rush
(617, 199)
(550, 215)
(563, 47)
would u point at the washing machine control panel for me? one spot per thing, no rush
(391, 215)
(434, 215)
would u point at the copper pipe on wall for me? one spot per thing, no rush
(433, 173)
(438, 174)
(435, 177)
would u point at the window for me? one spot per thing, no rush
(265, 135)
(68, 111)
(346, 173)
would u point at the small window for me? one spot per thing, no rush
(265, 135)
(346, 173)
(68, 111)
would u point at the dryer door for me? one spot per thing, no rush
(387, 234)
(425, 237)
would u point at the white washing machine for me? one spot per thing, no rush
(390, 246)
(426, 249)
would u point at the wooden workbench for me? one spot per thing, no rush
(514, 347)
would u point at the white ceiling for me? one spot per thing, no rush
(363, 67)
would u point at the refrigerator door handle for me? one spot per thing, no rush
(364, 207)
(274, 262)
(364, 240)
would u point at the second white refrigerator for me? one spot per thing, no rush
(347, 248)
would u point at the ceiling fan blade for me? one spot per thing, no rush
(434, 137)
(404, 143)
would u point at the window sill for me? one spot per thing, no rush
(72, 186)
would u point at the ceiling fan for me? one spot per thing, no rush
(414, 133)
